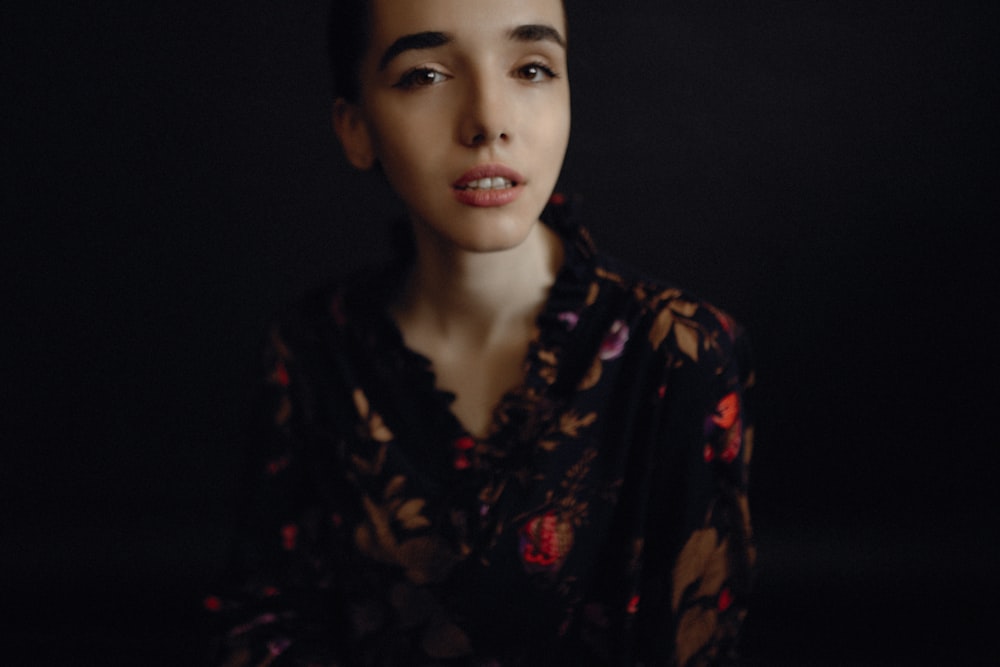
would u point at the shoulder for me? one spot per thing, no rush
(669, 319)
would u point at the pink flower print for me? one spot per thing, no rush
(263, 619)
(278, 646)
(569, 318)
(614, 342)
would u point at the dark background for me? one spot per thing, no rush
(822, 170)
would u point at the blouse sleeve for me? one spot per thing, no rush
(276, 605)
(699, 544)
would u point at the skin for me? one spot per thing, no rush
(484, 83)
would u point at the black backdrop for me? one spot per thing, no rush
(823, 170)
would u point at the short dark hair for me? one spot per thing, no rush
(348, 36)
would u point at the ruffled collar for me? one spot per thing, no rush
(403, 380)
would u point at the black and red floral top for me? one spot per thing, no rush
(603, 521)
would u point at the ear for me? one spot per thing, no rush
(352, 129)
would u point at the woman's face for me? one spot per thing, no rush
(465, 104)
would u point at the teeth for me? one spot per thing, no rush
(495, 183)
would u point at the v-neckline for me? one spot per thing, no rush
(389, 359)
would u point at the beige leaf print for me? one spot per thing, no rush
(394, 487)
(668, 295)
(409, 515)
(361, 403)
(377, 430)
(426, 559)
(548, 445)
(571, 422)
(661, 327)
(684, 308)
(694, 631)
(701, 547)
(593, 375)
(687, 339)
(374, 537)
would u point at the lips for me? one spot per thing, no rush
(488, 185)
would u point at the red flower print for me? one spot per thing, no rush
(545, 543)
(280, 374)
(725, 321)
(212, 603)
(461, 462)
(289, 536)
(633, 605)
(614, 342)
(709, 454)
(725, 599)
(276, 466)
(557, 199)
(734, 438)
(727, 410)
(464, 443)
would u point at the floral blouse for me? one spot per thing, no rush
(603, 520)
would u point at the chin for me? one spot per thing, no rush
(486, 231)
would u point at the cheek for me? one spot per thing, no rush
(551, 131)
(409, 140)
(552, 122)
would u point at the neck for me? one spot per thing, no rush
(479, 295)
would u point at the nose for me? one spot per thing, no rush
(486, 118)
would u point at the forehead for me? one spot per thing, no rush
(469, 21)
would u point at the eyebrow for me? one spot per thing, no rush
(533, 32)
(416, 41)
(537, 32)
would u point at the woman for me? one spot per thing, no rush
(504, 448)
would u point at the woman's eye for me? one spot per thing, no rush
(536, 72)
(419, 77)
